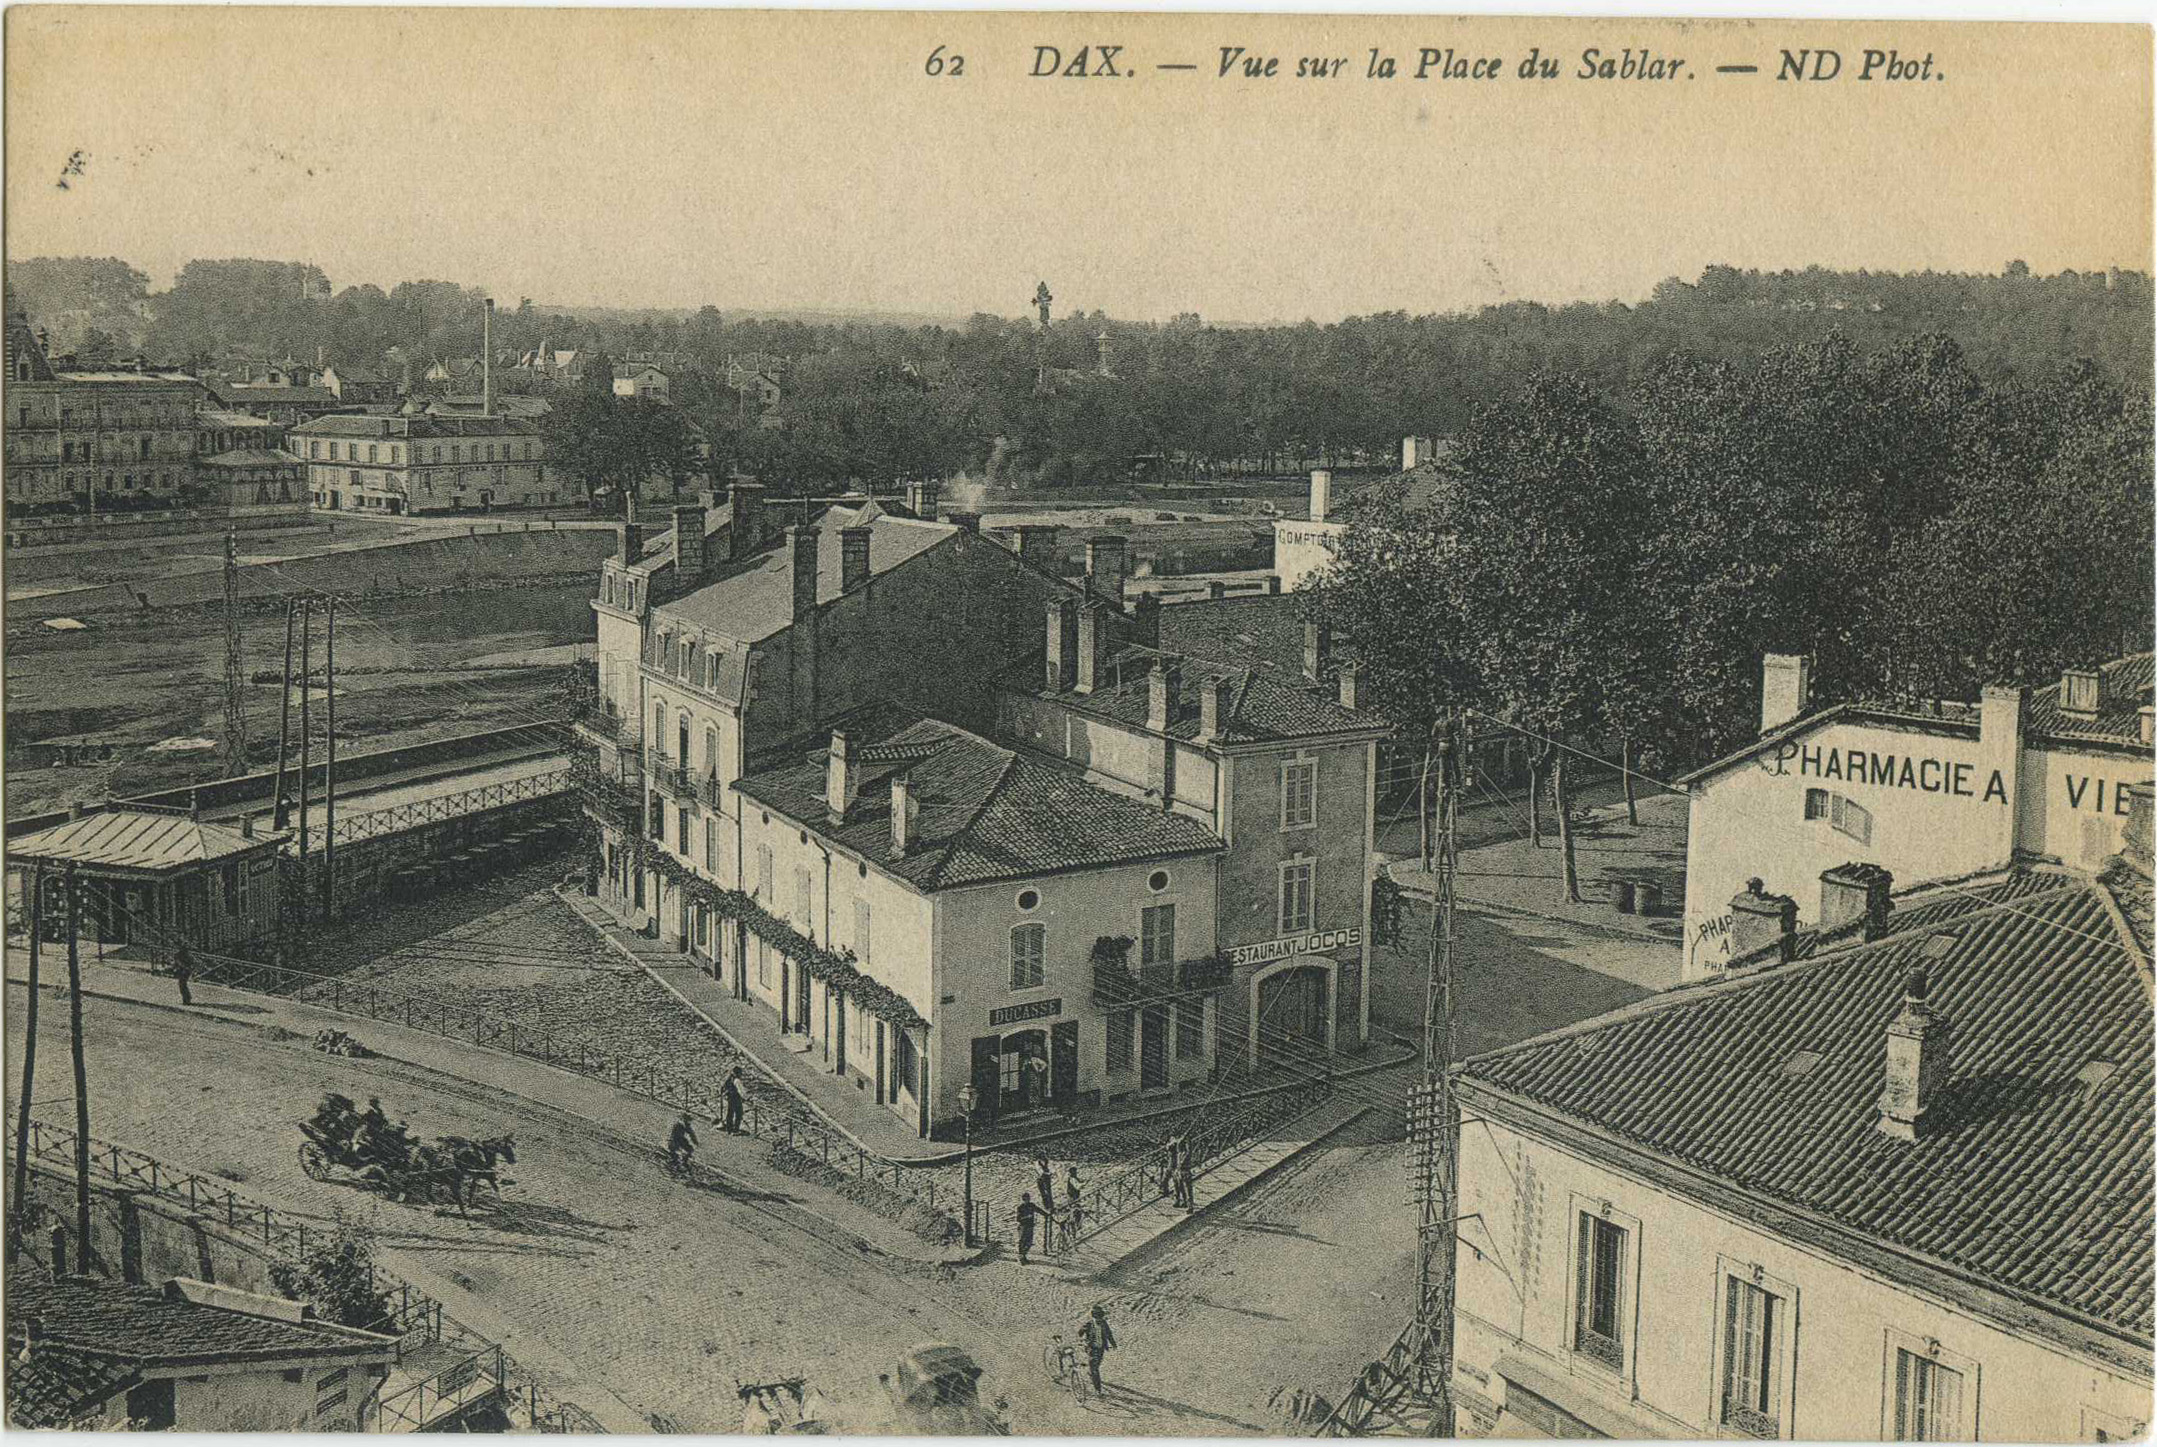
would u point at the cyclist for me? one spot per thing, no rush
(681, 1145)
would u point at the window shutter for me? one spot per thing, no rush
(1586, 1274)
(1731, 1364)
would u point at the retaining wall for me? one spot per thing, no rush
(136, 1237)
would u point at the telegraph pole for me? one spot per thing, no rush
(329, 768)
(278, 813)
(82, 1080)
(235, 682)
(307, 633)
(21, 1194)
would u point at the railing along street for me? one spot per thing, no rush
(352, 828)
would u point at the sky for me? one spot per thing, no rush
(809, 160)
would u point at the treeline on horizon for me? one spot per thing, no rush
(876, 402)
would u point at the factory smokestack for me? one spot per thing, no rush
(486, 360)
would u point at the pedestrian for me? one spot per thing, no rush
(1037, 1078)
(1045, 1181)
(1169, 1148)
(1183, 1177)
(1075, 1205)
(733, 1101)
(1027, 1213)
(1099, 1340)
(183, 968)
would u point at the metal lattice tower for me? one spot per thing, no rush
(1409, 1391)
(235, 678)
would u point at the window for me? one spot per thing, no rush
(1029, 900)
(1157, 935)
(233, 875)
(1157, 881)
(1598, 1319)
(1119, 1042)
(1299, 793)
(861, 931)
(1931, 1392)
(1029, 943)
(1754, 1322)
(1296, 896)
(1190, 1029)
(371, 452)
(1853, 819)
(1928, 1399)
(711, 845)
(763, 964)
(685, 836)
(657, 813)
(1816, 803)
(804, 901)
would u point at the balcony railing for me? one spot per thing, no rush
(1117, 985)
(605, 725)
(670, 776)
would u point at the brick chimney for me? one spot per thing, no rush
(1216, 702)
(746, 499)
(486, 360)
(1785, 688)
(1761, 921)
(1918, 1041)
(2081, 689)
(902, 814)
(1162, 687)
(853, 558)
(840, 780)
(922, 497)
(1351, 686)
(629, 533)
(802, 649)
(1146, 615)
(1854, 893)
(1095, 646)
(1061, 670)
(1273, 585)
(1321, 494)
(1317, 650)
(1415, 451)
(688, 544)
(966, 522)
(1107, 564)
(1037, 546)
(1216, 590)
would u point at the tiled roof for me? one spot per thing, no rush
(2125, 685)
(1263, 706)
(57, 1387)
(128, 839)
(260, 392)
(363, 425)
(148, 1326)
(984, 812)
(506, 404)
(1260, 630)
(754, 599)
(2037, 1182)
(22, 348)
(250, 457)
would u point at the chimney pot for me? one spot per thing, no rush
(1785, 688)
(1317, 650)
(1162, 687)
(839, 780)
(1351, 686)
(1216, 590)
(2149, 724)
(1273, 584)
(853, 557)
(1061, 671)
(745, 499)
(802, 541)
(1146, 615)
(1094, 647)
(1216, 701)
(1760, 921)
(247, 826)
(1107, 564)
(921, 498)
(1918, 1042)
(1037, 546)
(966, 522)
(1321, 494)
(688, 543)
(902, 814)
(1856, 893)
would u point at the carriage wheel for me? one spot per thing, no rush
(314, 1162)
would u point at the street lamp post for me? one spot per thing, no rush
(967, 1099)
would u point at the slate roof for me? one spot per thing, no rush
(130, 839)
(365, 425)
(2036, 1183)
(985, 812)
(1264, 706)
(147, 1326)
(251, 457)
(1260, 630)
(753, 599)
(259, 392)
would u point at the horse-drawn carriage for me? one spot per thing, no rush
(364, 1149)
(934, 1390)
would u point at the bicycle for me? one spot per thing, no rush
(1060, 1359)
(680, 1165)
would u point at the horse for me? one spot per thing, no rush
(469, 1162)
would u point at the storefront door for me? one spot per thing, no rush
(1063, 1063)
(1153, 1047)
(987, 1077)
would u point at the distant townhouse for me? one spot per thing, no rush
(412, 463)
(355, 385)
(1924, 790)
(1303, 546)
(641, 379)
(549, 368)
(452, 374)
(1894, 1189)
(286, 405)
(87, 440)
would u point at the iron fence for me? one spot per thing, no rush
(372, 822)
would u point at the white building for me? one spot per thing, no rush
(1899, 1190)
(1303, 546)
(1922, 791)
